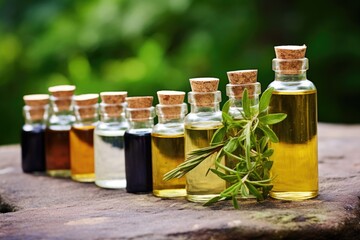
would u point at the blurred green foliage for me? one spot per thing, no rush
(144, 46)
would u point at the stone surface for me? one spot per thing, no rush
(48, 208)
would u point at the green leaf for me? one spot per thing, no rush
(268, 152)
(244, 191)
(253, 190)
(232, 145)
(227, 119)
(265, 99)
(226, 107)
(218, 136)
(235, 202)
(246, 103)
(272, 118)
(269, 132)
(268, 164)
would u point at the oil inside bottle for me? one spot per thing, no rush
(202, 185)
(57, 149)
(138, 162)
(167, 154)
(295, 167)
(82, 153)
(109, 159)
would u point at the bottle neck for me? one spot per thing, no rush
(106, 118)
(215, 107)
(279, 76)
(144, 124)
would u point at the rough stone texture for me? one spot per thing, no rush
(48, 208)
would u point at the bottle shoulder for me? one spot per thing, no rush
(292, 86)
(169, 128)
(203, 117)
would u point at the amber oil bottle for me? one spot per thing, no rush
(33, 133)
(109, 141)
(140, 114)
(167, 143)
(57, 147)
(200, 125)
(295, 168)
(82, 137)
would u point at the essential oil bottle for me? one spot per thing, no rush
(109, 141)
(295, 167)
(140, 114)
(200, 125)
(57, 147)
(167, 146)
(33, 133)
(82, 137)
(239, 81)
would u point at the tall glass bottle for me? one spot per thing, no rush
(295, 156)
(33, 133)
(239, 81)
(57, 147)
(109, 141)
(82, 138)
(140, 114)
(200, 125)
(168, 143)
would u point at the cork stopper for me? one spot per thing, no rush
(36, 105)
(242, 76)
(61, 96)
(204, 90)
(241, 80)
(112, 102)
(290, 59)
(290, 51)
(84, 105)
(139, 107)
(171, 104)
(206, 84)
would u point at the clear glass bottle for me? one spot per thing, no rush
(239, 81)
(167, 146)
(138, 168)
(33, 133)
(82, 138)
(57, 147)
(109, 141)
(200, 125)
(295, 157)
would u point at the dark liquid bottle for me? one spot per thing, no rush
(138, 166)
(32, 134)
(57, 151)
(138, 162)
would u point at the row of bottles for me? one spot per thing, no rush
(81, 146)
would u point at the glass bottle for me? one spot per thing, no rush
(109, 141)
(82, 137)
(33, 133)
(239, 81)
(57, 147)
(138, 169)
(295, 157)
(200, 125)
(168, 143)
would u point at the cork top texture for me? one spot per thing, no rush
(242, 76)
(204, 91)
(290, 59)
(84, 105)
(36, 105)
(170, 104)
(62, 96)
(139, 108)
(240, 80)
(112, 102)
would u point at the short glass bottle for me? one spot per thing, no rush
(109, 142)
(82, 138)
(33, 133)
(138, 166)
(200, 125)
(295, 157)
(57, 146)
(168, 150)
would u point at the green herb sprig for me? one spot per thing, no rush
(244, 145)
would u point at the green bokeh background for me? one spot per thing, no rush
(142, 46)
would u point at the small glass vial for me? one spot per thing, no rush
(82, 137)
(295, 167)
(200, 125)
(33, 133)
(167, 146)
(239, 81)
(140, 114)
(109, 141)
(57, 147)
